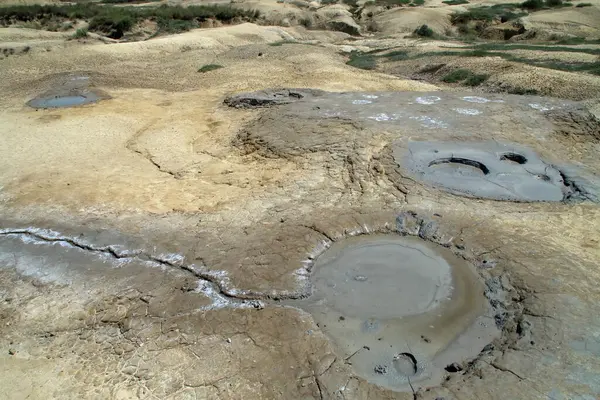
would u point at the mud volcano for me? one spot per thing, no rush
(74, 91)
(485, 170)
(399, 309)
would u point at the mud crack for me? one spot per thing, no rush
(213, 284)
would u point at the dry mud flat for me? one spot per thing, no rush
(315, 295)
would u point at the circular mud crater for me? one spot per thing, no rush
(399, 308)
(484, 170)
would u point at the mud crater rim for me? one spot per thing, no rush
(461, 161)
(398, 366)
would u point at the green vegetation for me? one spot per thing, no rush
(540, 4)
(522, 91)
(115, 21)
(80, 33)
(397, 55)
(475, 79)
(509, 46)
(126, 1)
(580, 5)
(362, 60)
(424, 31)
(417, 3)
(533, 4)
(457, 75)
(467, 77)
(210, 67)
(480, 51)
(486, 14)
(455, 2)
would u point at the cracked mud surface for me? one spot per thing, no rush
(168, 271)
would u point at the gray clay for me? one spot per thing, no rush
(484, 169)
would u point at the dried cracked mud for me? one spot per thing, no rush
(327, 257)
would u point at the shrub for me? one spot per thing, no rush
(533, 4)
(580, 5)
(80, 33)
(419, 2)
(554, 3)
(475, 79)
(113, 23)
(457, 75)
(306, 22)
(424, 31)
(455, 2)
(210, 67)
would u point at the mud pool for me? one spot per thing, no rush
(486, 169)
(72, 91)
(400, 309)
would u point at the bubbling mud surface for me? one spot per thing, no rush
(399, 309)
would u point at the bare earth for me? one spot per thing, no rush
(153, 245)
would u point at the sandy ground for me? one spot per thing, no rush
(143, 240)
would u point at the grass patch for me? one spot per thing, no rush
(522, 91)
(457, 75)
(455, 2)
(467, 77)
(80, 33)
(397, 55)
(115, 21)
(362, 60)
(476, 79)
(588, 67)
(509, 46)
(210, 67)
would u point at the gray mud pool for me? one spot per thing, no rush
(399, 309)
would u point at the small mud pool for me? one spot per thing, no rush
(399, 309)
(74, 91)
(484, 169)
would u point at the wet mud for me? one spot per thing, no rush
(72, 91)
(399, 308)
(485, 170)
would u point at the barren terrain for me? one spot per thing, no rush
(179, 233)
